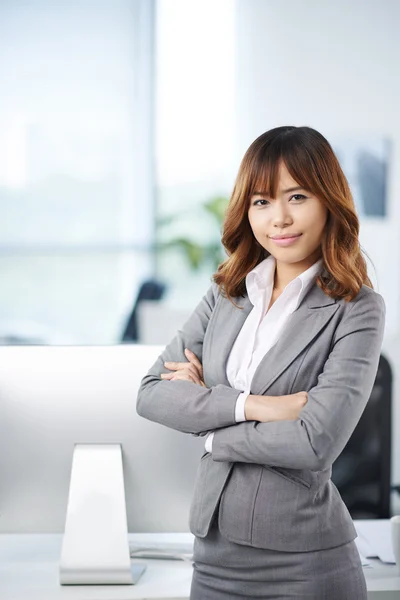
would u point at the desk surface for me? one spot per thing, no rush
(29, 571)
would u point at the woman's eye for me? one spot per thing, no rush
(297, 197)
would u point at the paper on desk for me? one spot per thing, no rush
(159, 555)
(161, 545)
(375, 539)
(362, 551)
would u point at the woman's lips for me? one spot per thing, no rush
(286, 241)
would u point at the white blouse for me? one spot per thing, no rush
(262, 327)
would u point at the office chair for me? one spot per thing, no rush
(362, 472)
(149, 290)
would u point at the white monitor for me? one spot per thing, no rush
(53, 398)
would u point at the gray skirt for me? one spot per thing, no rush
(224, 570)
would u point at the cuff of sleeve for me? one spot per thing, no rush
(239, 409)
(208, 444)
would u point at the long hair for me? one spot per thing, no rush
(312, 163)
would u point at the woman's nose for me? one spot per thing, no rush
(280, 214)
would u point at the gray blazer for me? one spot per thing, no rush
(271, 481)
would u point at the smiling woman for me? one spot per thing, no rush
(285, 349)
(281, 162)
(295, 221)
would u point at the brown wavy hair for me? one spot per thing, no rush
(312, 163)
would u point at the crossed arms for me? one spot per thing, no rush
(316, 438)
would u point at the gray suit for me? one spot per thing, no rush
(273, 479)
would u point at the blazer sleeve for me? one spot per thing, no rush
(184, 405)
(316, 438)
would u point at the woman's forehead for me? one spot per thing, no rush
(273, 179)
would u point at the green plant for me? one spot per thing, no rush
(197, 254)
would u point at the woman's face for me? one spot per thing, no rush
(293, 211)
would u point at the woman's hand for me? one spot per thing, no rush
(274, 408)
(190, 371)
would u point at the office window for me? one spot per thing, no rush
(76, 181)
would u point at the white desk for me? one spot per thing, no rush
(29, 571)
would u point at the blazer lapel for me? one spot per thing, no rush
(303, 325)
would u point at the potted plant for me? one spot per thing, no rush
(196, 253)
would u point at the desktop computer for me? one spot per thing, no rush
(76, 405)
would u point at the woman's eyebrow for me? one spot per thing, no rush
(292, 189)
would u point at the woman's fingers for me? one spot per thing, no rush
(185, 367)
(175, 366)
(167, 375)
(190, 371)
(182, 375)
(194, 360)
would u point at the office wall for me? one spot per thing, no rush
(333, 66)
(194, 133)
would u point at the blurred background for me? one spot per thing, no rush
(123, 123)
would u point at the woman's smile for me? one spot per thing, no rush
(286, 241)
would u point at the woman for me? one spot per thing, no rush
(275, 366)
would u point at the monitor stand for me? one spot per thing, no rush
(95, 548)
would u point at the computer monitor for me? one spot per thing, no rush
(53, 398)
